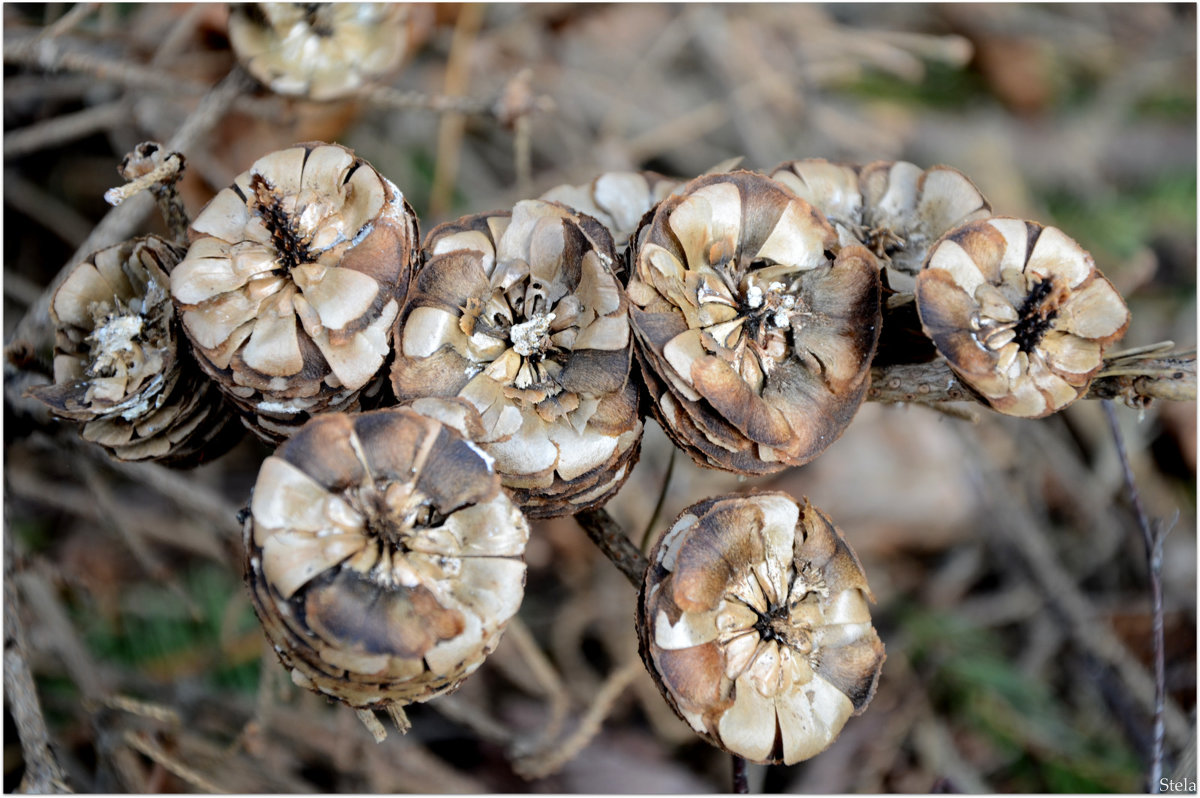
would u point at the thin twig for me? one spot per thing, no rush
(64, 129)
(648, 532)
(172, 43)
(741, 785)
(611, 539)
(188, 494)
(68, 21)
(1012, 523)
(523, 154)
(142, 743)
(54, 55)
(61, 636)
(1154, 547)
(111, 511)
(43, 774)
(400, 100)
(566, 750)
(452, 125)
(547, 678)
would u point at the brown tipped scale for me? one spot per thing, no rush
(319, 50)
(1020, 313)
(521, 315)
(382, 556)
(755, 327)
(618, 200)
(118, 366)
(293, 281)
(753, 621)
(894, 208)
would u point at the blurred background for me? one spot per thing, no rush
(1011, 580)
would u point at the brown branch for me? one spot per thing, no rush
(1135, 377)
(611, 539)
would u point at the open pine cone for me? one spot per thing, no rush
(292, 283)
(319, 50)
(753, 622)
(521, 315)
(118, 365)
(894, 208)
(383, 558)
(1020, 313)
(755, 328)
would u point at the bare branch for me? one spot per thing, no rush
(1135, 378)
(611, 539)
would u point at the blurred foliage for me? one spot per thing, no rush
(1116, 224)
(944, 87)
(1047, 744)
(169, 638)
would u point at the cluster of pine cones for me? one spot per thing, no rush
(429, 397)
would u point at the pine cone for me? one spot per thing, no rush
(753, 622)
(754, 329)
(521, 315)
(1020, 313)
(292, 283)
(892, 207)
(382, 556)
(618, 200)
(321, 51)
(118, 366)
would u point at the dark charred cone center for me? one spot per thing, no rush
(776, 624)
(291, 245)
(1035, 315)
(769, 308)
(392, 522)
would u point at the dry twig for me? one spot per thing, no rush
(1012, 524)
(551, 761)
(1153, 541)
(608, 536)
(43, 774)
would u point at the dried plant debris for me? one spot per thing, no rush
(753, 621)
(618, 200)
(1020, 313)
(520, 314)
(321, 51)
(383, 558)
(119, 367)
(894, 208)
(755, 326)
(293, 281)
